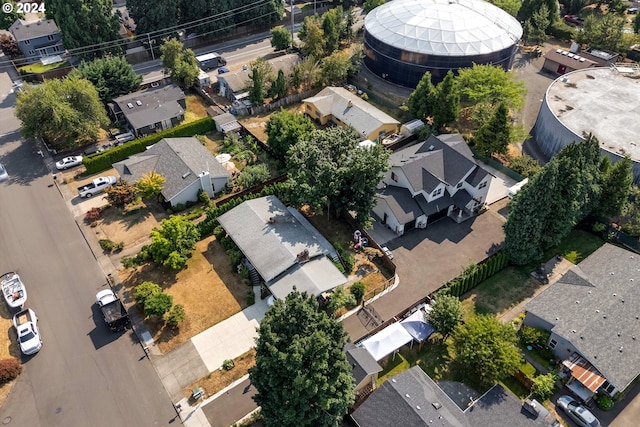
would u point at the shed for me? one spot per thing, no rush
(226, 123)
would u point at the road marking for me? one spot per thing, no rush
(9, 133)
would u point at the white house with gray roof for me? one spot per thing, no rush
(431, 180)
(593, 314)
(283, 247)
(344, 108)
(186, 165)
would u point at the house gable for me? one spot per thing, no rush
(149, 110)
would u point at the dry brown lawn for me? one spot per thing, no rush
(208, 288)
(8, 346)
(218, 380)
(256, 124)
(196, 109)
(73, 185)
(132, 226)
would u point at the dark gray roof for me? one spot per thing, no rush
(596, 307)
(410, 399)
(461, 198)
(23, 30)
(270, 236)
(435, 206)
(434, 161)
(403, 206)
(362, 363)
(476, 176)
(172, 158)
(151, 106)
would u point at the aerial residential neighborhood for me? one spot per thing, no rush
(351, 214)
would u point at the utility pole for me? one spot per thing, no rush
(153, 55)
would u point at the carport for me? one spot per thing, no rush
(387, 341)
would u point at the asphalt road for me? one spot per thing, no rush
(84, 375)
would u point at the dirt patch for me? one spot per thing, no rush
(8, 346)
(196, 109)
(132, 226)
(208, 288)
(218, 380)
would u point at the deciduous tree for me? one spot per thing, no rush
(9, 46)
(312, 35)
(284, 129)
(253, 175)
(369, 5)
(306, 74)
(158, 304)
(121, 194)
(332, 27)
(153, 15)
(486, 348)
(300, 361)
(445, 314)
(510, 6)
(180, 62)
(65, 112)
(491, 85)
(112, 76)
(172, 243)
(495, 135)
(150, 185)
(261, 75)
(280, 38)
(335, 68)
(525, 165)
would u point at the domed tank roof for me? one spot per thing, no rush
(443, 27)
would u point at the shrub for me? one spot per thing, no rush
(357, 290)
(235, 256)
(349, 260)
(179, 207)
(158, 304)
(604, 402)
(220, 233)
(176, 315)
(243, 271)
(251, 297)
(144, 290)
(119, 246)
(572, 256)
(340, 298)
(544, 386)
(10, 368)
(107, 245)
(228, 365)
(204, 198)
(533, 336)
(92, 215)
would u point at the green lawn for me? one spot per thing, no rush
(39, 68)
(579, 241)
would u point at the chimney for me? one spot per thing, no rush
(349, 104)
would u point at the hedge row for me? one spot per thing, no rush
(464, 283)
(208, 226)
(102, 161)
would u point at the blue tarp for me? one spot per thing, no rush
(417, 326)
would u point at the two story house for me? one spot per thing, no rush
(37, 40)
(429, 181)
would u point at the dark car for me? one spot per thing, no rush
(573, 19)
(223, 70)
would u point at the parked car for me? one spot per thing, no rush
(26, 325)
(577, 412)
(3, 173)
(69, 162)
(223, 70)
(573, 19)
(632, 10)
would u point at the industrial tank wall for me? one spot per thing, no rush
(406, 68)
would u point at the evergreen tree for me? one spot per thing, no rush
(420, 102)
(279, 87)
(261, 74)
(112, 76)
(301, 375)
(615, 182)
(312, 35)
(331, 27)
(8, 18)
(495, 135)
(446, 105)
(540, 22)
(153, 15)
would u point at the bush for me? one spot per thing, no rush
(544, 386)
(561, 31)
(119, 246)
(349, 260)
(107, 245)
(235, 256)
(243, 271)
(220, 233)
(572, 256)
(533, 336)
(357, 290)
(144, 290)
(92, 215)
(10, 368)
(158, 304)
(251, 297)
(176, 315)
(604, 402)
(204, 198)
(228, 365)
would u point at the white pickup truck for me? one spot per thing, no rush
(96, 186)
(26, 324)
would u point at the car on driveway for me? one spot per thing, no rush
(577, 412)
(223, 70)
(3, 173)
(69, 162)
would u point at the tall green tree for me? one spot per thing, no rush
(369, 5)
(335, 68)
(65, 112)
(486, 349)
(602, 32)
(222, 19)
(180, 62)
(253, 175)
(279, 86)
(280, 38)
(495, 135)
(446, 102)
(540, 22)
(636, 24)
(615, 182)
(286, 128)
(150, 185)
(445, 314)
(312, 36)
(261, 75)
(490, 85)
(510, 6)
(332, 27)
(112, 76)
(525, 165)
(529, 7)
(87, 23)
(329, 170)
(259, 14)
(172, 243)
(153, 15)
(421, 100)
(306, 74)
(9, 46)
(7, 19)
(301, 375)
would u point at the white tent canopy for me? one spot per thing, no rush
(417, 326)
(387, 341)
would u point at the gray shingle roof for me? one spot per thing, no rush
(362, 363)
(151, 106)
(270, 236)
(476, 176)
(23, 30)
(313, 277)
(240, 80)
(596, 306)
(399, 200)
(172, 158)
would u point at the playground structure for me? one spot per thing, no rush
(359, 242)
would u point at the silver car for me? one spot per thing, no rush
(3, 173)
(578, 413)
(69, 162)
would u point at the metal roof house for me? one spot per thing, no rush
(429, 181)
(412, 398)
(593, 314)
(282, 247)
(186, 165)
(150, 111)
(344, 108)
(38, 39)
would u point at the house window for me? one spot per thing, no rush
(437, 192)
(27, 42)
(482, 185)
(309, 107)
(32, 52)
(394, 177)
(459, 185)
(553, 344)
(608, 387)
(56, 48)
(50, 37)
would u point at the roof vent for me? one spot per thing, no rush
(431, 147)
(186, 174)
(631, 280)
(418, 407)
(614, 294)
(436, 405)
(130, 105)
(558, 50)
(589, 292)
(633, 337)
(573, 330)
(612, 273)
(621, 348)
(597, 311)
(557, 318)
(407, 395)
(577, 302)
(393, 380)
(604, 316)
(138, 102)
(582, 59)
(618, 333)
